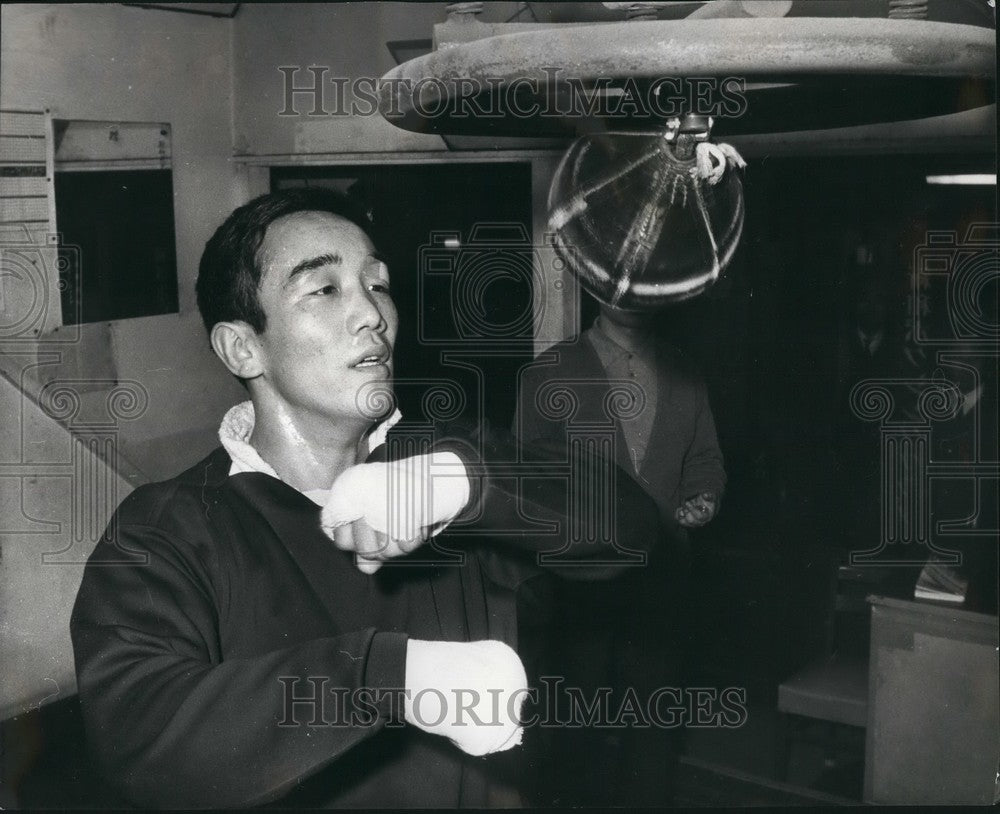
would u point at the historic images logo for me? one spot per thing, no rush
(313, 701)
(554, 93)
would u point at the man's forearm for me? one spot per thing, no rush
(571, 506)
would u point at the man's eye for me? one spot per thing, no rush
(381, 286)
(327, 289)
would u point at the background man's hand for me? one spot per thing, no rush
(697, 510)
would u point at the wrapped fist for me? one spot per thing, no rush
(469, 692)
(385, 510)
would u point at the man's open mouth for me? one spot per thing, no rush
(372, 360)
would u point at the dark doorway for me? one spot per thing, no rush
(457, 238)
(831, 252)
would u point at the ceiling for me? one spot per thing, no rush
(970, 12)
(205, 9)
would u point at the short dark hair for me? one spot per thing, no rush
(229, 272)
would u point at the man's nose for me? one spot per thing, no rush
(364, 313)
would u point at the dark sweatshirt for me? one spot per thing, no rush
(215, 601)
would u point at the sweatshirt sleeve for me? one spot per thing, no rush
(568, 508)
(172, 724)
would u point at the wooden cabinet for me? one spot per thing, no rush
(933, 714)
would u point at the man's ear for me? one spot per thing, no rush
(235, 343)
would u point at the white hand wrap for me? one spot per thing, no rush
(400, 498)
(470, 692)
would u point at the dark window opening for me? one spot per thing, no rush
(119, 259)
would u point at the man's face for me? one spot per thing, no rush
(331, 322)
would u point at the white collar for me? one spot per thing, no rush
(237, 427)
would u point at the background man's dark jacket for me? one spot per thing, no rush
(682, 457)
(628, 634)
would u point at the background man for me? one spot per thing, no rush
(228, 653)
(629, 634)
